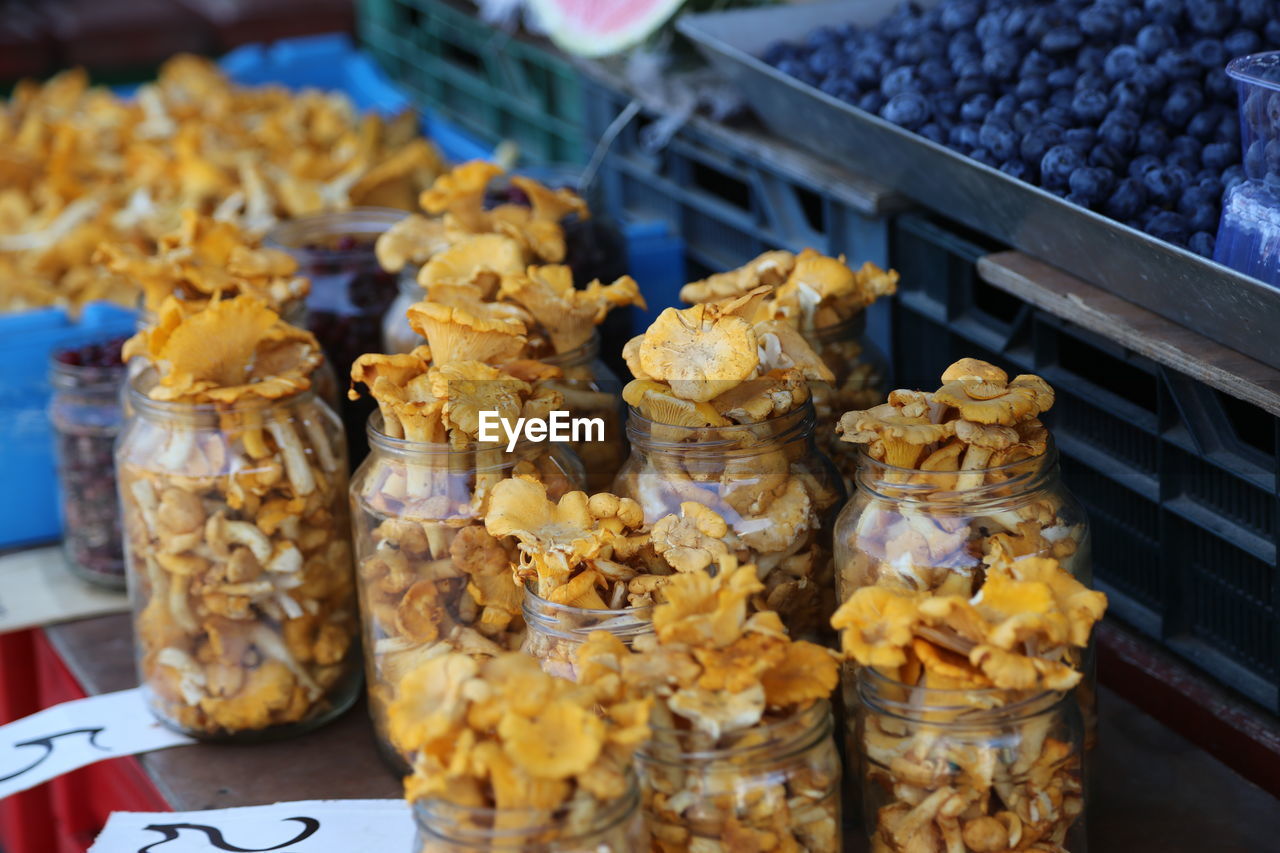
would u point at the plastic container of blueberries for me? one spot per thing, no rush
(1221, 303)
(1249, 234)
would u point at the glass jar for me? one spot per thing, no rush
(592, 390)
(350, 292)
(969, 770)
(397, 335)
(239, 563)
(430, 576)
(555, 631)
(861, 372)
(616, 827)
(87, 417)
(778, 781)
(769, 481)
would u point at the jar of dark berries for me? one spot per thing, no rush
(350, 292)
(86, 414)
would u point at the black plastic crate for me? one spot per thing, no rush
(728, 201)
(1180, 480)
(497, 85)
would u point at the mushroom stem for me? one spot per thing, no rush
(975, 460)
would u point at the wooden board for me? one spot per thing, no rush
(1164, 342)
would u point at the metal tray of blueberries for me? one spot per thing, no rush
(1231, 308)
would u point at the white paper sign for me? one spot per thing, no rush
(37, 588)
(308, 826)
(74, 734)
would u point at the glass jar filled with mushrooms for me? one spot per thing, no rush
(431, 578)
(721, 418)
(825, 300)
(953, 482)
(965, 729)
(233, 480)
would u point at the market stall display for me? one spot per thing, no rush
(232, 478)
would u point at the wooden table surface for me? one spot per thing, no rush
(1154, 792)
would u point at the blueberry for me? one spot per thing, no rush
(946, 105)
(1061, 116)
(1151, 79)
(1036, 142)
(1126, 200)
(1091, 58)
(984, 156)
(909, 51)
(1242, 43)
(1170, 227)
(1164, 11)
(1162, 185)
(1062, 78)
(1129, 95)
(1124, 116)
(1005, 106)
(972, 84)
(1177, 63)
(900, 80)
(1204, 124)
(935, 75)
(933, 132)
(966, 137)
(1142, 164)
(1120, 136)
(998, 138)
(908, 109)
(1254, 12)
(864, 73)
(1152, 139)
(1122, 61)
(1210, 53)
(1016, 169)
(871, 102)
(1219, 86)
(1035, 64)
(1202, 243)
(989, 29)
(1233, 176)
(1229, 129)
(1187, 146)
(1057, 165)
(1184, 100)
(1155, 39)
(1061, 39)
(1272, 153)
(1081, 138)
(1089, 106)
(1201, 209)
(1092, 184)
(1029, 88)
(1015, 21)
(963, 45)
(1061, 98)
(959, 15)
(1100, 21)
(1092, 81)
(1107, 157)
(1210, 17)
(976, 108)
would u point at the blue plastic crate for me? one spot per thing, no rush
(28, 499)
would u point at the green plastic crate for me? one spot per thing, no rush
(497, 85)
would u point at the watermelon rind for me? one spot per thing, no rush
(569, 33)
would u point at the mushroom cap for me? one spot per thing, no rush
(656, 402)
(974, 368)
(988, 402)
(886, 421)
(454, 334)
(550, 205)
(414, 239)
(770, 268)
(697, 358)
(482, 259)
(461, 193)
(986, 436)
(568, 315)
(781, 345)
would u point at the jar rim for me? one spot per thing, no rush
(181, 409)
(544, 607)
(614, 813)
(581, 354)
(84, 375)
(819, 725)
(1025, 704)
(1245, 69)
(291, 235)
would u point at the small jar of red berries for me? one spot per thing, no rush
(86, 414)
(350, 292)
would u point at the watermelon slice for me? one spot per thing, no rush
(601, 27)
